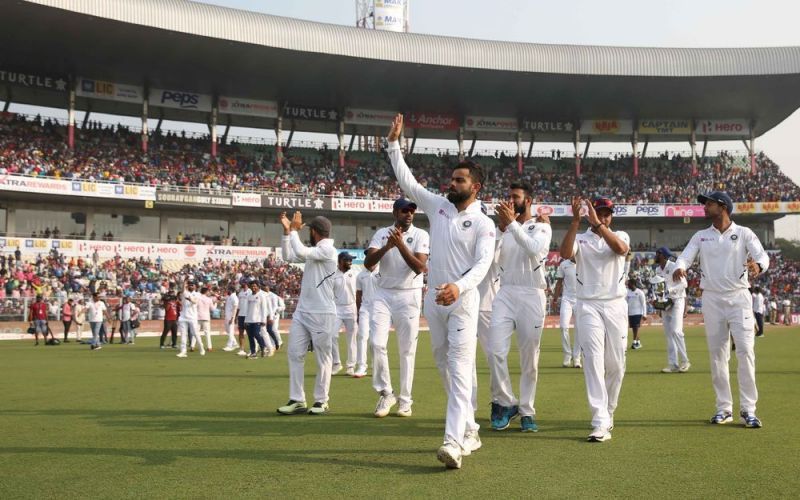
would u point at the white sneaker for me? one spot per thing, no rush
(385, 403)
(241, 353)
(670, 369)
(202, 352)
(181, 354)
(350, 371)
(336, 369)
(576, 362)
(567, 361)
(450, 456)
(472, 442)
(404, 410)
(684, 367)
(598, 435)
(360, 374)
(228, 348)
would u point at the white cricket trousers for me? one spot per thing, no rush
(401, 308)
(731, 314)
(603, 327)
(519, 308)
(317, 330)
(673, 331)
(189, 328)
(230, 330)
(567, 308)
(362, 344)
(453, 340)
(350, 326)
(484, 321)
(204, 326)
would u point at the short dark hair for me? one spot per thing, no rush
(523, 186)
(475, 170)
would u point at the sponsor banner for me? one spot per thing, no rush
(41, 81)
(34, 185)
(665, 127)
(734, 127)
(109, 249)
(206, 200)
(607, 127)
(98, 89)
(117, 191)
(248, 107)
(301, 112)
(490, 124)
(638, 210)
(180, 99)
(389, 15)
(546, 126)
(246, 199)
(293, 202)
(438, 121)
(357, 116)
(684, 211)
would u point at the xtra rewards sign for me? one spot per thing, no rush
(665, 127)
(490, 124)
(40, 81)
(97, 89)
(736, 127)
(437, 121)
(607, 127)
(294, 202)
(368, 117)
(300, 112)
(179, 99)
(547, 127)
(248, 107)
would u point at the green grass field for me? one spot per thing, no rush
(134, 421)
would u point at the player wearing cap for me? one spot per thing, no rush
(314, 319)
(670, 300)
(462, 248)
(187, 321)
(637, 311)
(728, 253)
(346, 314)
(231, 305)
(566, 286)
(601, 313)
(519, 305)
(402, 251)
(365, 296)
(259, 315)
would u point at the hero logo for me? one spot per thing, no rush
(186, 100)
(710, 127)
(544, 210)
(189, 251)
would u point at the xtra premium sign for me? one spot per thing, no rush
(546, 126)
(290, 202)
(734, 127)
(206, 200)
(490, 124)
(607, 127)
(665, 127)
(301, 112)
(248, 107)
(98, 89)
(368, 117)
(180, 99)
(438, 121)
(29, 80)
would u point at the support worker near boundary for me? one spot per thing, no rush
(314, 319)
(462, 248)
(602, 312)
(365, 296)
(402, 251)
(672, 316)
(566, 287)
(723, 250)
(346, 313)
(519, 305)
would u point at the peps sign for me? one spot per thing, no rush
(179, 99)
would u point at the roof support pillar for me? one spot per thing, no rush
(693, 143)
(289, 139)
(8, 99)
(71, 120)
(413, 142)
(635, 145)
(278, 140)
(705, 147)
(644, 149)
(530, 146)
(352, 139)
(227, 129)
(86, 115)
(460, 143)
(519, 152)
(472, 146)
(752, 149)
(214, 115)
(586, 148)
(341, 143)
(144, 126)
(577, 141)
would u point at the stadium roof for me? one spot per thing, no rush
(177, 44)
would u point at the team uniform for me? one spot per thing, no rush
(727, 309)
(314, 320)
(204, 306)
(258, 313)
(566, 273)
(231, 304)
(602, 320)
(677, 356)
(187, 321)
(462, 248)
(398, 298)
(637, 308)
(244, 295)
(365, 283)
(277, 305)
(759, 309)
(520, 306)
(346, 316)
(487, 289)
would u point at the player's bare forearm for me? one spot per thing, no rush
(567, 250)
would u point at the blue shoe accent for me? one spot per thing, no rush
(496, 410)
(750, 420)
(528, 424)
(507, 414)
(722, 417)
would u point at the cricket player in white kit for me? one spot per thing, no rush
(672, 312)
(314, 319)
(602, 313)
(244, 295)
(723, 250)
(231, 305)
(519, 305)
(402, 251)
(278, 305)
(187, 321)
(462, 248)
(365, 296)
(487, 289)
(566, 290)
(346, 313)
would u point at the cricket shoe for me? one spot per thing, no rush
(528, 424)
(450, 455)
(404, 410)
(671, 369)
(293, 408)
(598, 435)
(318, 409)
(472, 442)
(684, 367)
(181, 354)
(722, 417)
(750, 420)
(385, 403)
(507, 414)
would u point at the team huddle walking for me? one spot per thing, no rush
(485, 282)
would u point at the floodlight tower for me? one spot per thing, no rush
(365, 14)
(387, 15)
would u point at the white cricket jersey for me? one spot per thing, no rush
(316, 289)
(231, 304)
(566, 273)
(345, 293)
(258, 308)
(276, 304)
(675, 289)
(366, 283)
(637, 302)
(758, 303)
(394, 271)
(600, 272)
(723, 257)
(490, 284)
(204, 306)
(523, 253)
(242, 301)
(462, 243)
(189, 306)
